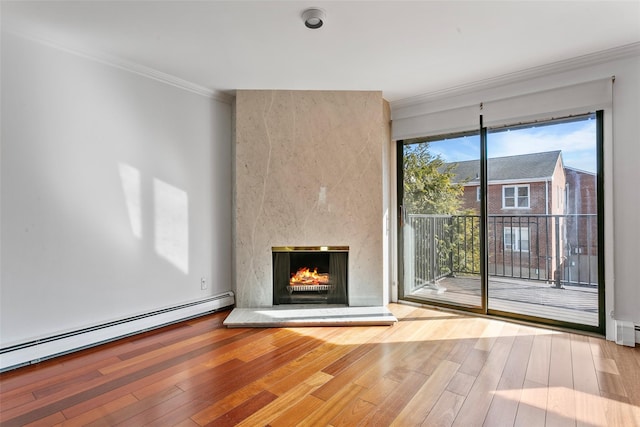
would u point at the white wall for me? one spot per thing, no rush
(622, 155)
(115, 193)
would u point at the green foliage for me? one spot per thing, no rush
(428, 185)
(429, 189)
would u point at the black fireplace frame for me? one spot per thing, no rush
(334, 259)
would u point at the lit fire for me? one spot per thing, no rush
(304, 276)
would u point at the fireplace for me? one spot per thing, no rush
(310, 275)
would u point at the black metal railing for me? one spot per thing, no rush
(559, 249)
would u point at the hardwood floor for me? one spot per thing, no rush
(432, 368)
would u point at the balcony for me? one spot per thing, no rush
(538, 265)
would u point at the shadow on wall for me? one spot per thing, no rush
(170, 213)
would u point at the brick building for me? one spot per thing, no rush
(582, 226)
(537, 222)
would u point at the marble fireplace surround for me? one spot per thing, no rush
(309, 172)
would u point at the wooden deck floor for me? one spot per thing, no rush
(574, 304)
(431, 368)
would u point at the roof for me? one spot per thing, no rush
(534, 166)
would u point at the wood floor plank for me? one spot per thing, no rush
(532, 408)
(297, 369)
(61, 401)
(167, 352)
(244, 410)
(50, 420)
(84, 405)
(504, 405)
(126, 412)
(140, 351)
(379, 391)
(353, 413)
(475, 361)
(333, 406)
(187, 423)
(303, 368)
(172, 376)
(252, 346)
(39, 393)
(221, 406)
(589, 409)
(355, 353)
(466, 335)
(43, 373)
(294, 415)
(260, 366)
(100, 412)
(421, 351)
(48, 377)
(628, 364)
(488, 337)
(478, 401)
(605, 364)
(433, 367)
(234, 379)
(16, 399)
(286, 401)
(174, 411)
(418, 408)
(445, 410)
(611, 384)
(392, 406)
(538, 369)
(461, 383)
(561, 408)
(620, 414)
(349, 375)
(411, 345)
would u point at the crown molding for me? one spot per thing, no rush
(621, 52)
(131, 67)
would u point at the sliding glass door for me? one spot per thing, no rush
(543, 221)
(441, 220)
(507, 224)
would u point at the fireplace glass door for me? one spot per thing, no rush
(309, 276)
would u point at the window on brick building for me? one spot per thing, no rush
(516, 239)
(515, 196)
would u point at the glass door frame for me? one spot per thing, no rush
(400, 144)
(483, 309)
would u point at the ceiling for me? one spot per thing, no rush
(403, 48)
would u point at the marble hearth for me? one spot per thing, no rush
(308, 172)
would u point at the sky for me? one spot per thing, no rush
(576, 140)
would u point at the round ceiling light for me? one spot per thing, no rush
(313, 18)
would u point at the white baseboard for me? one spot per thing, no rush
(46, 348)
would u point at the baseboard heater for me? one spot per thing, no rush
(626, 333)
(57, 345)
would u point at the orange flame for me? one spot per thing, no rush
(306, 277)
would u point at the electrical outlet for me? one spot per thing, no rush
(203, 283)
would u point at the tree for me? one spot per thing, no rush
(433, 202)
(428, 183)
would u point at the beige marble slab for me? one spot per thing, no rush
(308, 172)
